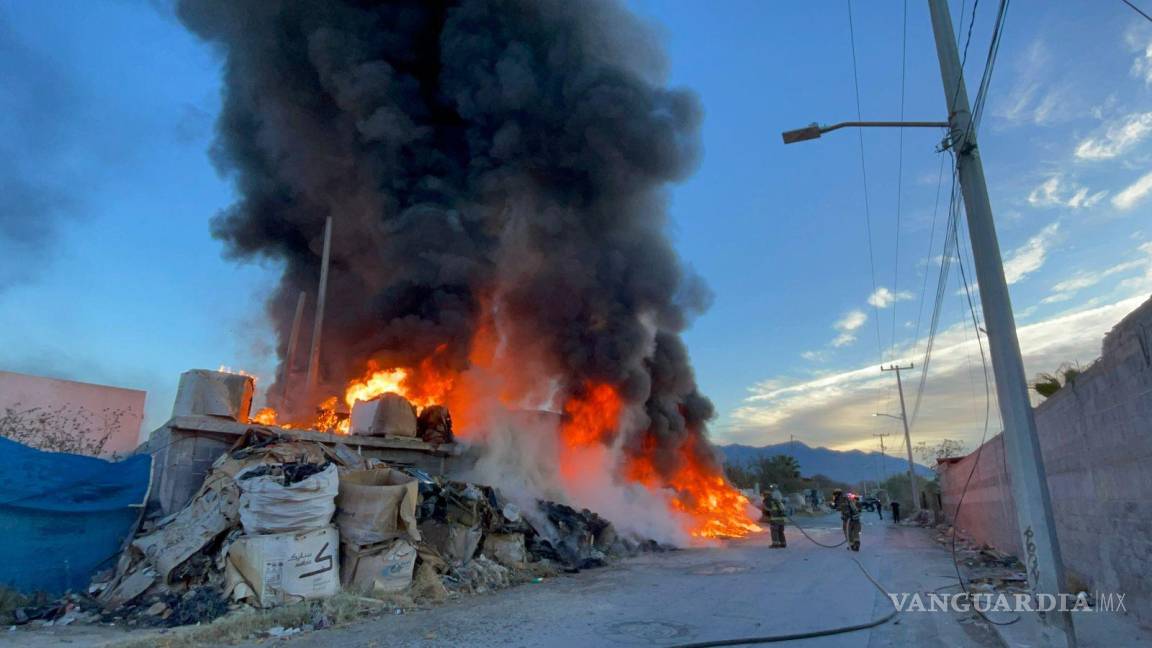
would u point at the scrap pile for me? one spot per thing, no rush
(280, 520)
(985, 568)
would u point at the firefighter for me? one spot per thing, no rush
(850, 520)
(775, 515)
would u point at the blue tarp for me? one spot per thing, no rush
(64, 516)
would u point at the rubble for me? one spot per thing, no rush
(279, 520)
(385, 568)
(988, 569)
(434, 425)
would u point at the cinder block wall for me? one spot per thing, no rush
(1096, 438)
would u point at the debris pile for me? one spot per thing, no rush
(986, 568)
(280, 519)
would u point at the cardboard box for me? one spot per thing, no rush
(284, 567)
(382, 568)
(456, 543)
(377, 505)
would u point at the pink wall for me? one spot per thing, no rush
(66, 415)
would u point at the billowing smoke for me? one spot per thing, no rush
(488, 163)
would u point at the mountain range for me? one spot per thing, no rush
(851, 467)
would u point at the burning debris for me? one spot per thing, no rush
(480, 186)
(280, 519)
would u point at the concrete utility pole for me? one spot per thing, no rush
(289, 363)
(1029, 484)
(318, 325)
(907, 437)
(883, 454)
(1021, 444)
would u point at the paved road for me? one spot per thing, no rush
(739, 590)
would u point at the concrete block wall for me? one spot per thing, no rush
(1096, 438)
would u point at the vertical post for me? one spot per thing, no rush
(907, 438)
(883, 472)
(1029, 483)
(294, 337)
(317, 327)
(289, 362)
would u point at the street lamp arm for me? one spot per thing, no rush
(814, 131)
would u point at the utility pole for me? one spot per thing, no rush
(883, 455)
(1021, 443)
(907, 437)
(289, 364)
(318, 325)
(1029, 483)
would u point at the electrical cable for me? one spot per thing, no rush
(864, 176)
(1137, 10)
(931, 240)
(899, 175)
(980, 449)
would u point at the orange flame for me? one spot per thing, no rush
(713, 508)
(265, 416)
(696, 490)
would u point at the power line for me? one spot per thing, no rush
(950, 245)
(931, 240)
(864, 175)
(1137, 10)
(899, 172)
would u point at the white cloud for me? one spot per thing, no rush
(1029, 257)
(836, 409)
(815, 356)
(1056, 298)
(1134, 193)
(1055, 192)
(1142, 65)
(1141, 284)
(848, 325)
(1084, 280)
(1118, 138)
(1035, 95)
(883, 298)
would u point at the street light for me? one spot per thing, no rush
(814, 130)
(891, 416)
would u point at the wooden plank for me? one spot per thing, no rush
(222, 426)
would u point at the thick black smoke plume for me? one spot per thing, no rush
(471, 153)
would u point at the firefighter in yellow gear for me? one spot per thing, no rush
(776, 516)
(850, 519)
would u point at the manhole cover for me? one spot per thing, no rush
(647, 631)
(721, 569)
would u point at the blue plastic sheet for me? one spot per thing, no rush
(64, 516)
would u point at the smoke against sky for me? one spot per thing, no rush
(491, 168)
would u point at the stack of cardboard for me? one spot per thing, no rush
(289, 551)
(376, 514)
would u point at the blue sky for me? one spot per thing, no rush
(106, 117)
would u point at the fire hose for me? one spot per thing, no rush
(813, 633)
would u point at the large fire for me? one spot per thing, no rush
(697, 493)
